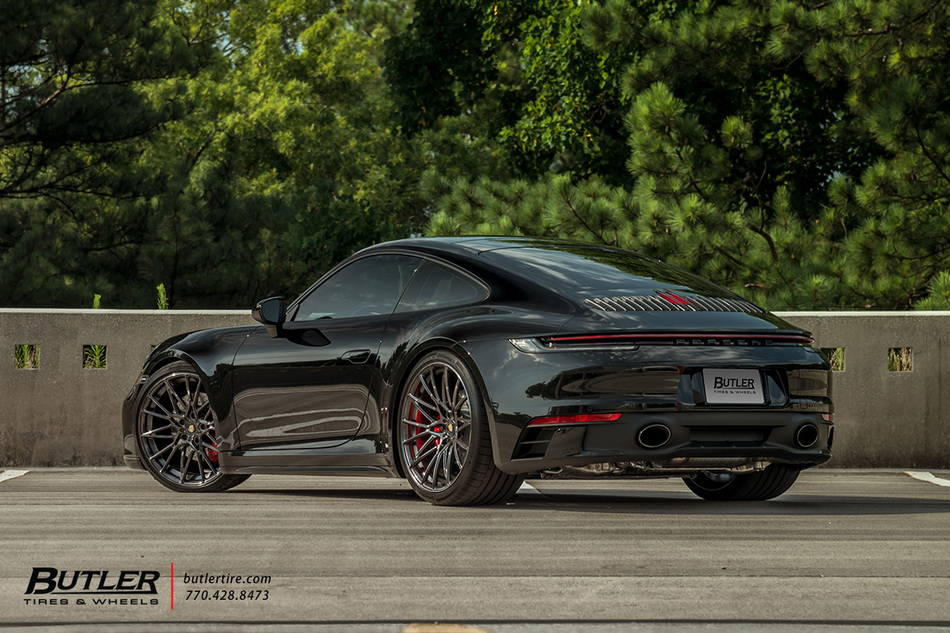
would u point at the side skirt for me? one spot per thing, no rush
(359, 457)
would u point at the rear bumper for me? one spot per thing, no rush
(652, 384)
(694, 437)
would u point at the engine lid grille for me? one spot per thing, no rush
(664, 301)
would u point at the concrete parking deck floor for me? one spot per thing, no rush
(849, 548)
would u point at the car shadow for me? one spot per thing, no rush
(369, 494)
(686, 504)
(641, 502)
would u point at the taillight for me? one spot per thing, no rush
(685, 338)
(580, 418)
(632, 341)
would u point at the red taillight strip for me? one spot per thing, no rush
(580, 418)
(631, 338)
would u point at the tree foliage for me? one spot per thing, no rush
(228, 149)
(71, 90)
(287, 163)
(80, 84)
(794, 152)
(275, 159)
(520, 71)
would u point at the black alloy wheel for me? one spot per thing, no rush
(177, 432)
(757, 486)
(444, 439)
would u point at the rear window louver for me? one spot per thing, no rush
(670, 302)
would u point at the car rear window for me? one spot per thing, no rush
(435, 286)
(590, 271)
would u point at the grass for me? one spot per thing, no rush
(94, 356)
(835, 356)
(27, 356)
(900, 359)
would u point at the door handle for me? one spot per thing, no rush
(357, 356)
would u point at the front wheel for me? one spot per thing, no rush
(177, 432)
(444, 439)
(757, 486)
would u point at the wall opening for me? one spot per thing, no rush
(900, 359)
(27, 356)
(835, 356)
(94, 357)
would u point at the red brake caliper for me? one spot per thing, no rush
(420, 441)
(211, 453)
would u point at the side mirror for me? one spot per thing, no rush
(272, 312)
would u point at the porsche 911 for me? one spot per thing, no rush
(466, 364)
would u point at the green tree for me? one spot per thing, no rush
(72, 78)
(895, 59)
(437, 66)
(795, 152)
(517, 74)
(287, 163)
(81, 83)
(284, 161)
(938, 297)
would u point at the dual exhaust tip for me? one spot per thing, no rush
(654, 436)
(807, 435)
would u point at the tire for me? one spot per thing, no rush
(443, 436)
(176, 431)
(758, 486)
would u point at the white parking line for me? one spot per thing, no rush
(929, 478)
(528, 489)
(10, 474)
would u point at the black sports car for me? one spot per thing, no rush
(465, 364)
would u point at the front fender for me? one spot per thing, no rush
(211, 354)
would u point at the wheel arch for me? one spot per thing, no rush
(399, 383)
(215, 382)
(166, 360)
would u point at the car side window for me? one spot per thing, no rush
(368, 286)
(436, 286)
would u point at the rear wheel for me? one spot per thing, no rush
(758, 486)
(444, 439)
(177, 432)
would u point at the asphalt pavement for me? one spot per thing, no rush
(843, 550)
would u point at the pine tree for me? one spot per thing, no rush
(283, 161)
(794, 152)
(81, 84)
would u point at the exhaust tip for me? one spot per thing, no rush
(654, 436)
(807, 435)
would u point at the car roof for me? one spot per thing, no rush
(571, 269)
(476, 244)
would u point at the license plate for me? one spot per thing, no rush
(733, 386)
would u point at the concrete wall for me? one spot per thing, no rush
(64, 415)
(887, 418)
